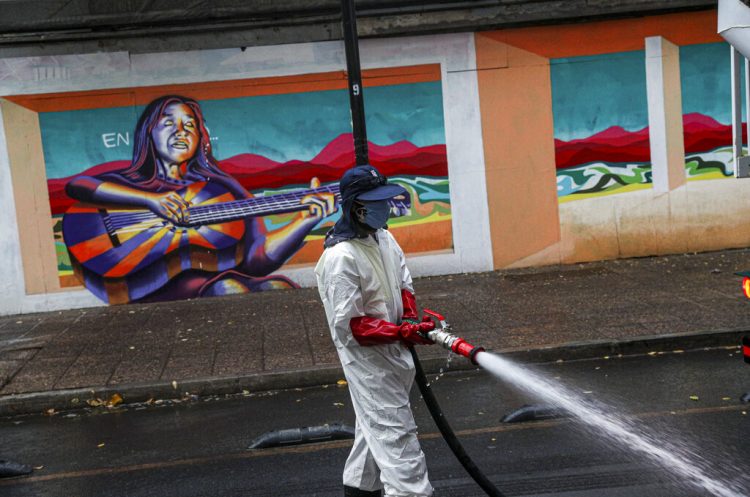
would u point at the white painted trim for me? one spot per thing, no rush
(736, 85)
(12, 285)
(463, 131)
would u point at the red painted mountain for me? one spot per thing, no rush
(615, 144)
(703, 133)
(255, 171)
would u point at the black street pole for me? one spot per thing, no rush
(356, 94)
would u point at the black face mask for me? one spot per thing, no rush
(374, 215)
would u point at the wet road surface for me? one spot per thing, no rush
(199, 448)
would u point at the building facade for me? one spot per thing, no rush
(521, 146)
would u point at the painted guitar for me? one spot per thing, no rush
(125, 253)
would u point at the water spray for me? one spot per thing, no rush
(689, 467)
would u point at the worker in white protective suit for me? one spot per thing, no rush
(369, 302)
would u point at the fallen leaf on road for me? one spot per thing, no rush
(694, 397)
(342, 383)
(726, 398)
(338, 404)
(38, 467)
(96, 402)
(116, 399)
(50, 412)
(101, 445)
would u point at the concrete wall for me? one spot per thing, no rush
(454, 54)
(501, 102)
(666, 213)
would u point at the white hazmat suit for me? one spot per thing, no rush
(364, 277)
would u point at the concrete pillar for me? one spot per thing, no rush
(518, 138)
(665, 114)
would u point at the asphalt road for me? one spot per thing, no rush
(199, 448)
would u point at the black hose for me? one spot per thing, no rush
(447, 431)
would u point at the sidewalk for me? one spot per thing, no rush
(280, 339)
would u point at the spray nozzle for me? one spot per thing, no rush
(443, 337)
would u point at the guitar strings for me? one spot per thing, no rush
(208, 214)
(232, 214)
(240, 207)
(218, 214)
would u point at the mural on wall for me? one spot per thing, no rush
(600, 114)
(707, 114)
(601, 120)
(212, 196)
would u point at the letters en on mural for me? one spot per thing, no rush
(178, 197)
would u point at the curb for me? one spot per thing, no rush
(62, 400)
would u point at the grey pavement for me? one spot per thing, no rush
(280, 339)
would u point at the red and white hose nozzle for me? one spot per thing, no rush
(443, 337)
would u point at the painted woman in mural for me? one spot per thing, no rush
(173, 225)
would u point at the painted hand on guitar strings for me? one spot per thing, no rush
(321, 205)
(170, 206)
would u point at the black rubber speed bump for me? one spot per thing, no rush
(533, 413)
(9, 469)
(305, 435)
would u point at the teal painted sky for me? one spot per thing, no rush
(592, 93)
(706, 81)
(280, 127)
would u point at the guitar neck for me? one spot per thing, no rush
(256, 206)
(204, 214)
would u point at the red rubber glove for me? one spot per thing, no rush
(416, 333)
(411, 313)
(373, 331)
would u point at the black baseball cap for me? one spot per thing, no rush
(365, 183)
